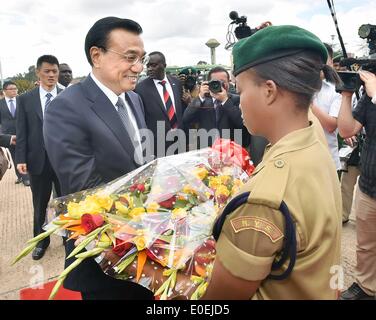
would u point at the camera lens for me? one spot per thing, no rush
(215, 86)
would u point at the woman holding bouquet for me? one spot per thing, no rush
(280, 238)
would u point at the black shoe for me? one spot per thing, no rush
(355, 293)
(18, 181)
(38, 253)
(26, 183)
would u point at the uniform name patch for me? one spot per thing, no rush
(257, 224)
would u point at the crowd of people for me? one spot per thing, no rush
(66, 138)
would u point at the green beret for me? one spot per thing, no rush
(188, 71)
(272, 43)
(338, 58)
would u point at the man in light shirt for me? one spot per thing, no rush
(326, 106)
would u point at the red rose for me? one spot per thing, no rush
(91, 222)
(141, 187)
(133, 188)
(169, 203)
(121, 247)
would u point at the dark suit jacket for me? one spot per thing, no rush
(155, 109)
(30, 144)
(202, 113)
(7, 122)
(88, 145)
(5, 140)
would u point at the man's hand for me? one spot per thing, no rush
(204, 90)
(220, 96)
(264, 25)
(186, 97)
(13, 140)
(351, 141)
(22, 168)
(369, 82)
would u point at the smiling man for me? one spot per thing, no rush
(98, 122)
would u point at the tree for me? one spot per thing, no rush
(23, 85)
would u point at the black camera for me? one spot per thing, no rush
(216, 86)
(350, 81)
(242, 30)
(190, 82)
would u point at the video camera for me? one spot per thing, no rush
(351, 79)
(241, 31)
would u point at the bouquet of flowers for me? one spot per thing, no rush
(153, 226)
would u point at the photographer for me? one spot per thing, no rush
(216, 108)
(188, 78)
(364, 202)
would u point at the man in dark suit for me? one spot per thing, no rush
(162, 98)
(98, 123)
(31, 156)
(8, 107)
(219, 111)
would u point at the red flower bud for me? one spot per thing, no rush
(169, 203)
(141, 187)
(121, 247)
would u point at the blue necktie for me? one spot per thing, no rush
(12, 108)
(48, 101)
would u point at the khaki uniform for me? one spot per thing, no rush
(300, 171)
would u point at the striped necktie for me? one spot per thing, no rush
(169, 106)
(48, 101)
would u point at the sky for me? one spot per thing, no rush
(178, 28)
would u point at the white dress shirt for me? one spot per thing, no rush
(168, 88)
(43, 97)
(329, 101)
(114, 99)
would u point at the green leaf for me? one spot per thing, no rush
(180, 203)
(137, 202)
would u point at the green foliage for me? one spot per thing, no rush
(23, 85)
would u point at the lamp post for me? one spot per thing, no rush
(212, 44)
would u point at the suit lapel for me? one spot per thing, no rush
(177, 103)
(155, 95)
(140, 120)
(4, 106)
(37, 103)
(103, 107)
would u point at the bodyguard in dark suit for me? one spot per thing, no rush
(98, 123)
(162, 98)
(31, 156)
(217, 111)
(8, 107)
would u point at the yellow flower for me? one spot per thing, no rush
(179, 212)
(214, 182)
(74, 210)
(225, 179)
(136, 212)
(234, 190)
(140, 242)
(238, 182)
(121, 209)
(104, 201)
(200, 173)
(152, 207)
(222, 190)
(188, 189)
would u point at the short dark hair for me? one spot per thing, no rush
(98, 33)
(8, 83)
(329, 49)
(218, 69)
(160, 54)
(48, 59)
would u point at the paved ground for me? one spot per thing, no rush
(16, 227)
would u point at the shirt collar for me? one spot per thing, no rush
(112, 96)
(7, 99)
(156, 81)
(44, 92)
(296, 140)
